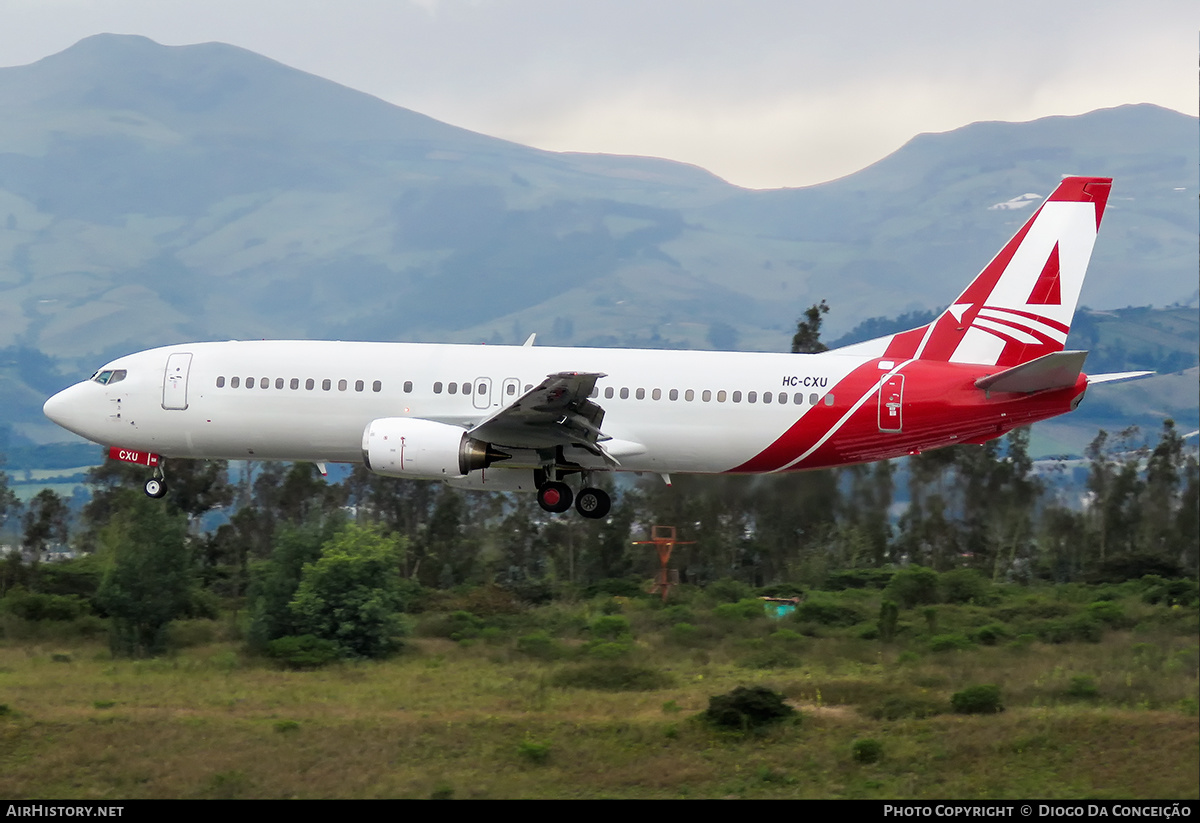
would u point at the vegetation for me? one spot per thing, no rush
(429, 643)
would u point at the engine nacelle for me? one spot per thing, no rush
(412, 447)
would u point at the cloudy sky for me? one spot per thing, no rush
(764, 93)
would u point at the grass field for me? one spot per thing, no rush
(481, 718)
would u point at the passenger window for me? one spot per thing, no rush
(608, 393)
(249, 382)
(234, 381)
(656, 394)
(812, 399)
(798, 398)
(221, 382)
(407, 385)
(829, 400)
(707, 396)
(378, 386)
(737, 397)
(752, 397)
(689, 395)
(766, 397)
(624, 394)
(342, 384)
(721, 396)
(452, 388)
(437, 387)
(326, 384)
(674, 394)
(294, 384)
(511, 389)
(310, 384)
(595, 391)
(359, 385)
(641, 394)
(279, 382)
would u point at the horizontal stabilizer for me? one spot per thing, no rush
(1117, 375)
(1057, 370)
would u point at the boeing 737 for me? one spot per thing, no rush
(529, 418)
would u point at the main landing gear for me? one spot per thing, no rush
(555, 496)
(156, 486)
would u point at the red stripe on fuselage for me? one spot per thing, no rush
(941, 407)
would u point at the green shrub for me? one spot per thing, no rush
(827, 613)
(29, 605)
(608, 649)
(303, 651)
(991, 634)
(746, 708)
(949, 642)
(684, 634)
(965, 586)
(1109, 613)
(727, 590)
(913, 586)
(1170, 592)
(867, 750)
(1078, 629)
(611, 627)
(1082, 687)
(747, 609)
(535, 751)
(540, 646)
(771, 658)
(612, 677)
(977, 700)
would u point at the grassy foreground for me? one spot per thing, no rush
(480, 719)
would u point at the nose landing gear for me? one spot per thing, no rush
(156, 486)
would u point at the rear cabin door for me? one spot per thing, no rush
(891, 404)
(175, 381)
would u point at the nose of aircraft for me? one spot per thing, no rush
(69, 409)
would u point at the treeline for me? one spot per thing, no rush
(290, 533)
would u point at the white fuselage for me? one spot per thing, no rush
(667, 411)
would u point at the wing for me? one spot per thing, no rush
(556, 412)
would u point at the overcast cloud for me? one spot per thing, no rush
(764, 93)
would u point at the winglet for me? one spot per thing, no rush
(529, 340)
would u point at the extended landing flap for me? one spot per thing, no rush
(1058, 370)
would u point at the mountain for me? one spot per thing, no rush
(153, 194)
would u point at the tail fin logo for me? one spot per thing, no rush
(1020, 306)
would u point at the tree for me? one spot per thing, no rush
(45, 523)
(149, 582)
(807, 339)
(353, 594)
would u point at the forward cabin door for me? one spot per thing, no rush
(891, 404)
(175, 381)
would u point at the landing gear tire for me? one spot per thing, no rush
(155, 488)
(554, 497)
(593, 503)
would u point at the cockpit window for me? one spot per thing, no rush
(108, 376)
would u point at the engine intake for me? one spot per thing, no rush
(412, 447)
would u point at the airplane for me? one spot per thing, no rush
(530, 418)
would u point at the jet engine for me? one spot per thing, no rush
(412, 447)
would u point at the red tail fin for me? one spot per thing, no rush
(1020, 306)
